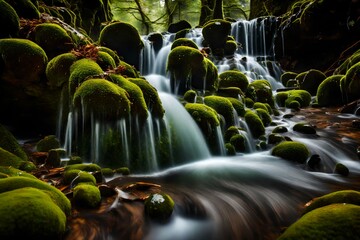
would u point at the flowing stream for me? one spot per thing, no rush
(247, 196)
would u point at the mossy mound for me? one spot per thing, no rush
(275, 138)
(329, 92)
(230, 47)
(343, 196)
(215, 33)
(102, 99)
(263, 106)
(10, 23)
(136, 97)
(350, 84)
(255, 124)
(233, 78)
(111, 52)
(233, 92)
(341, 169)
(9, 159)
(29, 213)
(84, 167)
(23, 61)
(238, 106)
(260, 91)
(335, 221)
(76, 176)
(105, 61)
(58, 69)
(10, 171)
(190, 96)
(292, 151)
(25, 8)
(287, 99)
(126, 45)
(127, 70)
(184, 42)
(304, 127)
(230, 132)
(9, 143)
(286, 76)
(87, 196)
(264, 116)
(151, 97)
(238, 141)
(223, 107)
(47, 143)
(80, 71)
(178, 26)
(347, 64)
(310, 80)
(12, 183)
(159, 206)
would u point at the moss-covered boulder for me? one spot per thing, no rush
(178, 26)
(260, 91)
(230, 47)
(84, 167)
(190, 70)
(233, 78)
(275, 138)
(215, 33)
(334, 221)
(329, 92)
(159, 206)
(102, 99)
(127, 45)
(350, 84)
(151, 96)
(9, 19)
(9, 159)
(25, 8)
(105, 61)
(80, 71)
(341, 169)
(184, 42)
(239, 143)
(264, 116)
(190, 96)
(302, 98)
(343, 196)
(304, 127)
(10, 171)
(223, 107)
(291, 151)
(22, 61)
(286, 76)
(29, 213)
(58, 69)
(47, 143)
(310, 80)
(12, 183)
(86, 195)
(238, 106)
(76, 176)
(136, 96)
(255, 124)
(9, 143)
(111, 52)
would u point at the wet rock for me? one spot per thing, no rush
(314, 161)
(292, 151)
(280, 129)
(304, 128)
(341, 169)
(86, 196)
(159, 206)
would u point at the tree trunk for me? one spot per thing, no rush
(218, 10)
(144, 18)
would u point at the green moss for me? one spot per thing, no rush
(264, 116)
(12, 183)
(280, 129)
(263, 106)
(123, 170)
(343, 196)
(29, 213)
(238, 106)
(286, 76)
(151, 96)
(107, 172)
(211, 82)
(232, 92)
(87, 196)
(230, 149)
(9, 159)
(190, 96)
(58, 69)
(178, 26)
(341, 169)
(52, 38)
(126, 45)
(9, 143)
(230, 47)
(310, 80)
(25, 9)
(47, 143)
(215, 33)
(84, 167)
(23, 61)
(304, 127)
(12, 172)
(75, 160)
(249, 102)
(334, 221)
(280, 98)
(127, 70)
(238, 141)
(10, 23)
(103, 99)
(275, 138)
(159, 206)
(76, 176)
(292, 151)
(80, 71)
(184, 42)
(329, 92)
(260, 91)
(111, 52)
(105, 61)
(286, 99)
(255, 124)
(136, 96)
(222, 106)
(350, 84)
(203, 114)
(233, 78)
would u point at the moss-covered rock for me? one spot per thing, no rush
(275, 138)
(76, 176)
(292, 151)
(80, 71)
(10, 23)
(329, 92)
(343, 196)
(105, 61)
(286, 76)
(9, 143)
(222, 106)
(310, 80)
(304, 127)
(107, 172)
(230, 47)
(233, 78)
(9, 159)
(238, 106)
(280, 129)
(111, 52)
(264, 116)
(102, 99)
(178, 26)
(157, 40)
(215, 33)
(341, 169)
(58, 69)
(159, 206)
(10, 171)
(184, 42)
(151, 96)
(334, 221)
(12, 183)
(255, 124)
(22, 62)
(260, 91)
(350, 84)
(47, 143)
(123, 170)
(230, 132)
(25, 8)
(238, 141)
(86, 196)
(126, 45)
(30, 213)
(190, 96)
(287, 99)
